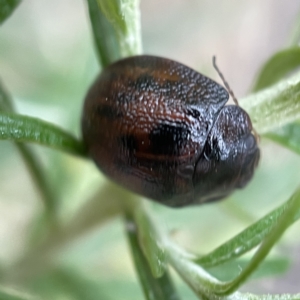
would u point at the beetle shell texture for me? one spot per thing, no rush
(162, 130)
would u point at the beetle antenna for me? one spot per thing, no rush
(257, 137)
(224, 81)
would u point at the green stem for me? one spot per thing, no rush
(205, 285)
(154, 288)
(104, 35)
(124, 16)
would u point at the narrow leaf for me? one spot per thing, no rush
(204, 284)
(154, 288)
(287, 136)
(269, 267)
(276, 106)
(21, 128)
(247, 239)
(6, 8)
(207, 286)
(291, 213)
(104, 35)
(124, 15)
(277, 67)
(9, 294)
(199, 280)
(150, 241)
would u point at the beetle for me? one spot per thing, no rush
(162, 130)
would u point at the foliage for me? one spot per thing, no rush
(274, 109)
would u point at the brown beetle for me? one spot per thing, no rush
(162, 130)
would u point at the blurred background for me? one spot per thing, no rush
(47, 63)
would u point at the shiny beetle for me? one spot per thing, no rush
(163, 131)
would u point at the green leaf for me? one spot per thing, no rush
(277, 67)
(124, 15)
(292, 212)
(104, 35)
(269, 267)
(204, 284)
(276, 106)
(6, 8)
(154, 288)
(150, 240)
(21, 128)
(9, 294)
(282, 106)
(207, 286)
(247, 239)
(287, 136)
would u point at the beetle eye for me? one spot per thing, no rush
(250, 142)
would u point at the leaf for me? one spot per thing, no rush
(104, 35)
(150, 240)
(21, 128)
(287, 136)
(9, 294)
(207, 286)
(124, 15)
(154, 288)
(248, 238)
(276, 106)
(6, 8)
(292, 212)
(204, 284)
(269, 267)
(277, 67)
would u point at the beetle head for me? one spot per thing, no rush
(229, 157)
